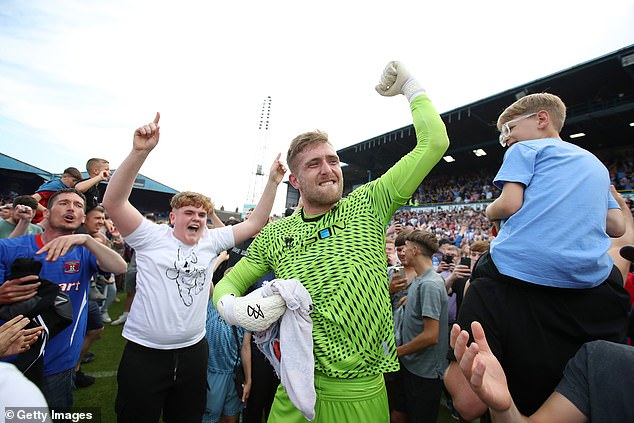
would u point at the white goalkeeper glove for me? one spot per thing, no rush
(396, 79)
(253, 312)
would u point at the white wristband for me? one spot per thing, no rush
(412, 89)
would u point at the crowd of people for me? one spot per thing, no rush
(360, 308)
(622, 171)
(466, 188)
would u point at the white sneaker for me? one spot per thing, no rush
(106, 317)
(121, 319)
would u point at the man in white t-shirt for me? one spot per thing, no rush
(164, 364)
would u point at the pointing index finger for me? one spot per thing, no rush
(157, 118)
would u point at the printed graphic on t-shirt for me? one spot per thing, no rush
(189, 278)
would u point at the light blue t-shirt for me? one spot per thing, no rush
(223, 348)
(558, 238)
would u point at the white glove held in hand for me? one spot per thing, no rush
(397, 80)
(252, 312)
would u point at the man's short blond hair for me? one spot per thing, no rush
(190, 198)
(300, 143)
(533, 103)
(95, 163)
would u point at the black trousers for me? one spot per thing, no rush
(417, 396)
(534, 330)
(152, 381)
(263, 389)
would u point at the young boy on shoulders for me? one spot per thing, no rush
(548, 283)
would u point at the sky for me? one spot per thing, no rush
(77, 77)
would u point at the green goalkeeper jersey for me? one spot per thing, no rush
(339, 256)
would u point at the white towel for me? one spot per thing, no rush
(292, 336)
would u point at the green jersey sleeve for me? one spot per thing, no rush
(397, 185)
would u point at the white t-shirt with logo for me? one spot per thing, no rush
(172, 285)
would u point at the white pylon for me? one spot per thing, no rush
(258, 177)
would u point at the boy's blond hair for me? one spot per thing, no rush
(533, 103)
(190, 198)
(302, 141)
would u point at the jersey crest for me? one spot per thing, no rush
(71, 266)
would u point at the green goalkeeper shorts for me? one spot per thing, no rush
(361, 399)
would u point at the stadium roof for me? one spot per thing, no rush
(9, 163)
(22, 178)
(141, 182)
(599, 95)
(144, 183)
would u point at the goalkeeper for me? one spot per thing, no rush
(336, 248)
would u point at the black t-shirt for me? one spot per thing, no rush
(92, 197)
(534, 330)
(598, 381)
(235, 254)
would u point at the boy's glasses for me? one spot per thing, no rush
(506, 130)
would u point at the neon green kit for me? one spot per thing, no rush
(339, 256)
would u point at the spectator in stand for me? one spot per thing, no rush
(98, 171)
(68, 179)
(535, 265)
(469, 187)
(621, 170)
(461, 225)
(19, 221)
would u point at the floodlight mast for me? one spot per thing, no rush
(257, 179)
